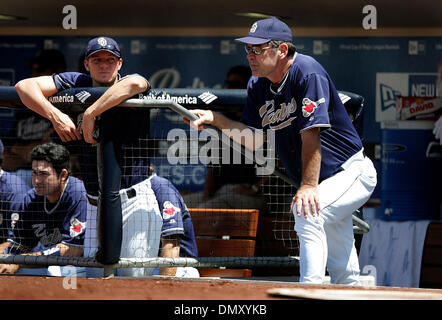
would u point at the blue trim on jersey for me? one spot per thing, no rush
(308, 99)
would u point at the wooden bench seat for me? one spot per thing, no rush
(225, 233)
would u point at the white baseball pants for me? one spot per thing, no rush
(327, 240)
(142, 226)
(142, 223)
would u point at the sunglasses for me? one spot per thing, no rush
(256, 50)
(110, 47)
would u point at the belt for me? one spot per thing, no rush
(131, 192)
(93, 200)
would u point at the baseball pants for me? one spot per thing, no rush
(142, 223)
(327, 240)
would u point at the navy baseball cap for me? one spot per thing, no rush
(102, 44)
(265, 30)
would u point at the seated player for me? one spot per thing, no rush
(155, 220)
(50, 219)
(11, 186)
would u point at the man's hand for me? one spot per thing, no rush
(65, 127)
(9, 268)
(88, 126)
(306, 198)
(204, 117)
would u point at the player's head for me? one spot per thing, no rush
(50, 169)
(103, 60)
(269, 40)
(238, 77)
(48, 62)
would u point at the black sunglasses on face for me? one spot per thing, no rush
(256, 50)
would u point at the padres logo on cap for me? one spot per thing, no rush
(253, 28)
(102, 42)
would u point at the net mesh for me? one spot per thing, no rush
(197, 165)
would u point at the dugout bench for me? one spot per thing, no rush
(225, 233)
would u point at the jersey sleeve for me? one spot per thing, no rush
(171, 206)
(74, 224)
(68, 80)
(139, 75)
(314, 101)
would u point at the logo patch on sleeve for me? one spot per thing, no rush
(76, 227)
(14, 219)
(309, 106)
(169, 210)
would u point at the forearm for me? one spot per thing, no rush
(118, 93)
(170, 249)
(311, 157)
(32, 95)
(59, 249)
(307, 196)
(69, 251)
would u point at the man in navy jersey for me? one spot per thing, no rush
(155, 222)
(50, 219)
(103, 61)
(177, 234)
(292, 95)
(11, 186)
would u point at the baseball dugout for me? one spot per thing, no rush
(187, 158)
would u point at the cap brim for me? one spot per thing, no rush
(252, 40)
(118, 56)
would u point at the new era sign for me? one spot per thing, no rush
(391, 85)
